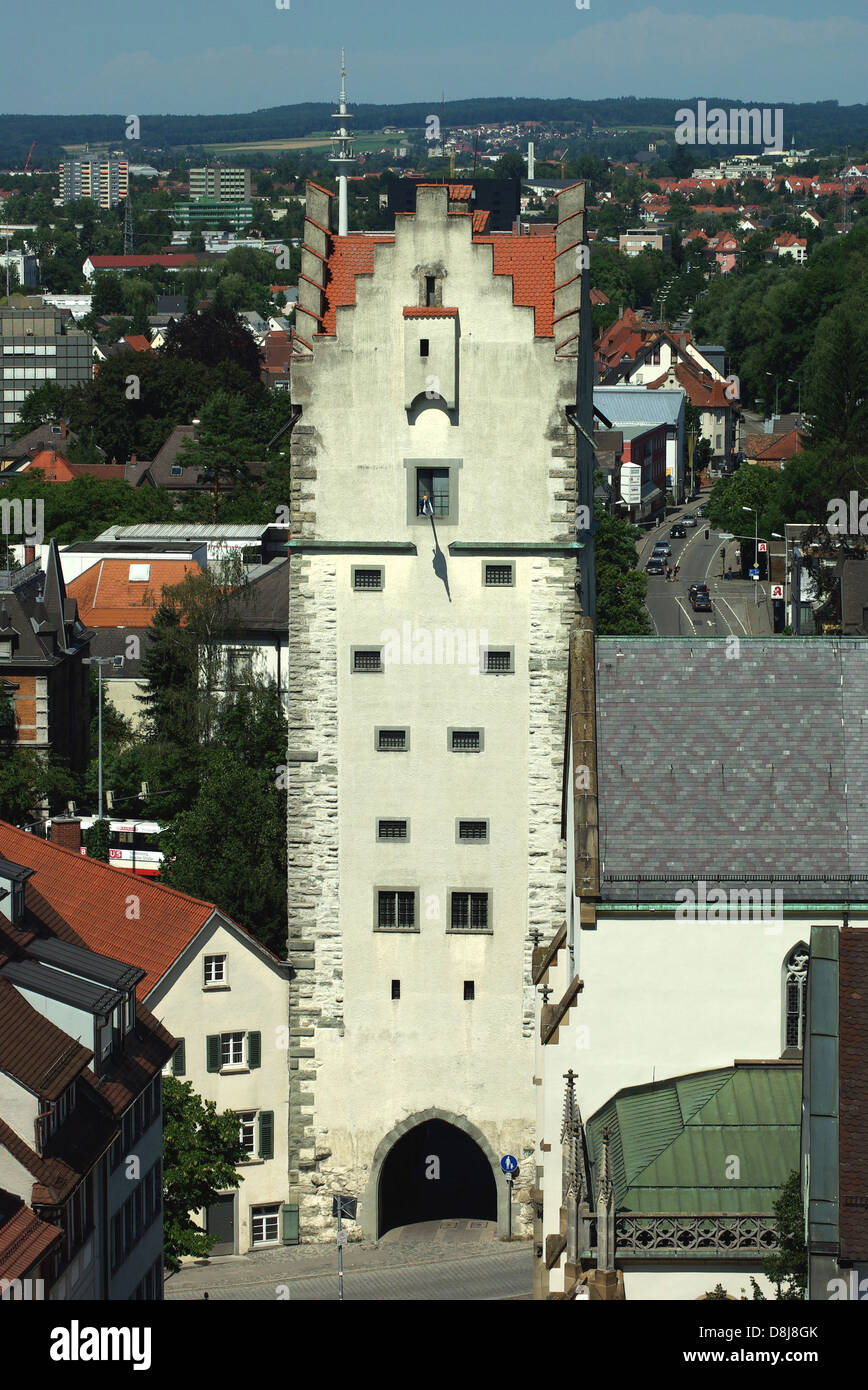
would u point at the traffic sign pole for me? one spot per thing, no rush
(340, 1256)
(509, 1207)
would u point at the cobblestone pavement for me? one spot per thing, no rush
(413, 1265)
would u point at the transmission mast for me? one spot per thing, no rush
(128, 225)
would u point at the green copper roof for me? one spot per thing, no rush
(672, 1143)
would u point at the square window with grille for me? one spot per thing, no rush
(232, 1049)
(496, 575)
(466, 740)
(473, 830)
(368, 578)
(247, 1131)
(391, 740)
(392, 830)
(396, 909)
(470, 911)
(215, 970)
(264, 1224)
(498, 662)
(433, 484)
(367, 659)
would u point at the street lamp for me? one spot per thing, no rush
(99, 661)
(795, 382)
(755, 543)
(777, 535)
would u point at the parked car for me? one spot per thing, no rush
(697, 589)
(688, 520)
(654, 566)
(701, 603)
(677, 532)
(662, 549)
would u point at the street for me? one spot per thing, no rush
(735, 611)
(419, 1265)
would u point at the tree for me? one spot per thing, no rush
(200, 1151)
(96, 840)
(47, 402)
(836, 373)
(217, 335)
(225, 440)
(27, 780)
(170, 671)
(620, 586)
(108, 294)
(237, 861)
(787, 1269)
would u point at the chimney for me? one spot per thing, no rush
(29, 554)
(132, 458)
(63, 429)
(66, 832)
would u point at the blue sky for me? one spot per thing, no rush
(184, 56)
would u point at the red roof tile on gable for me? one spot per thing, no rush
(141, 262)
(54, 1178)
(531, 263)
(57, 469)
(702, 390)
(91, 898)
(351, 255)
(108, 598)
(429, 312)
(480, 220)
(24, 1241)
(138, 341)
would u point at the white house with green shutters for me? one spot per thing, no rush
(226, 998)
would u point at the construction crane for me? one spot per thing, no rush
(29, 153)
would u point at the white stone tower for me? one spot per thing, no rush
(433, 579)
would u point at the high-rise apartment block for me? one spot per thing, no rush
(105, 179)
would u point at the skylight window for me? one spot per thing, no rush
(139, 574)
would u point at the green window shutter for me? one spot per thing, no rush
(254, 1050)
(214, 1051)
(289, 1224)
(179, 1059)
(266, 1134)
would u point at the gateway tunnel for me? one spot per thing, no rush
(433, 1173)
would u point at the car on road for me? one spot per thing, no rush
(697, 589)
(700, 511)
(677, 532)
(701, 603)
(662, 549)
(654, 566)
(688, 520)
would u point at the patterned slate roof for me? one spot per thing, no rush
(744, 765)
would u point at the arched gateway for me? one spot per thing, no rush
(433, 1166)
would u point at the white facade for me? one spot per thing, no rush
(225, 984)
(380, 1064)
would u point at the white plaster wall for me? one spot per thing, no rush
(379, 1060)
(256, 1001)
(677, 1283)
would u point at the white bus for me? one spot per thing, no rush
(133, 845)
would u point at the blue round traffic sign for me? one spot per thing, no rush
(509, 1163)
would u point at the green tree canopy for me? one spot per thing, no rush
(200, 1151)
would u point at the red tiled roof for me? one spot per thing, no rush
(33, 1050)
(531, 263)
(57, 469)
(108, 598)
(54, 1178)
(702, 389)
(24, 1241)
(141, 262)
(73, 891)
(480, 220)
(429, 312)
(772, 447)
(351, 255)
(138, 341)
